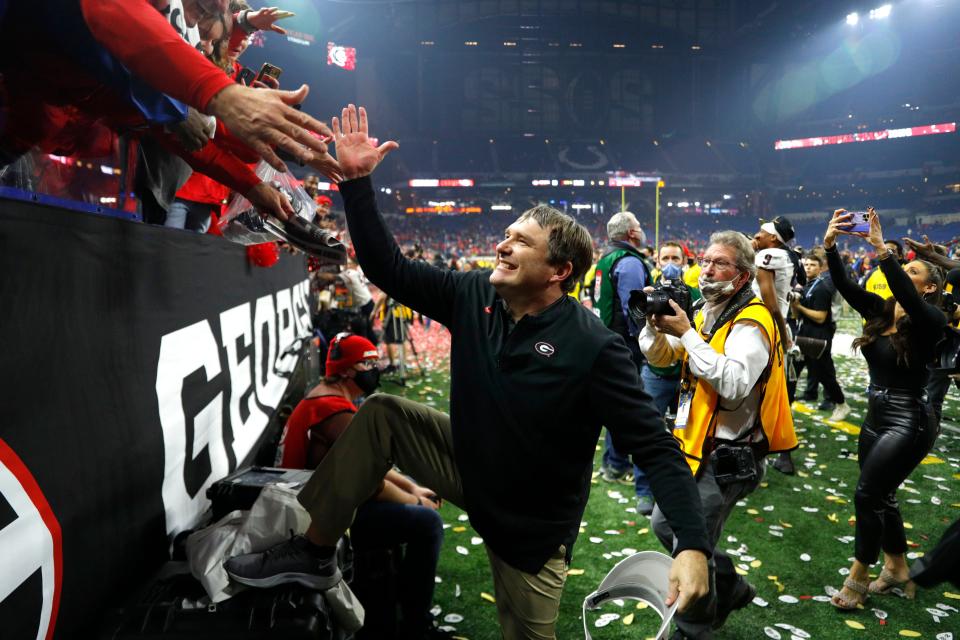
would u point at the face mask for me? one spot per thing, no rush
(671, 272)
(368, 381)
(716, 290)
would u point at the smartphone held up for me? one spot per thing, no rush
(268, 70)
(859, 222)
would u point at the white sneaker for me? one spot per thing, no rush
(840, 412)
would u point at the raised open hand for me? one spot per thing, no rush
(264, 119)
(264, 19)
(357, 155)
(327, 165)
(925, 249)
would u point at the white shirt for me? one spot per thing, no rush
(356, 284)
(173, 12)
(777, 261)
(734, 377)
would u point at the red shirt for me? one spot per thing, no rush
(203, 188)
(139, 36)
(311, 411)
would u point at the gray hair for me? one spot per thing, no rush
(569, 241)
(620, 225)
(741, 247)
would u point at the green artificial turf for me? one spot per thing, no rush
(930, 501)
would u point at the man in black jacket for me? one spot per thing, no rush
(533, 376)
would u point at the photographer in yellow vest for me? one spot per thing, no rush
(732, 410)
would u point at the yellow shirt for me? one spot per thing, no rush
(692, 276)
(877, 283)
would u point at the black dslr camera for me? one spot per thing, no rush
(657, 302)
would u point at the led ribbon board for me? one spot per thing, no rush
(867, 136)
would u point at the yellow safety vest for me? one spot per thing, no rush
(399, 311)
(697, 437)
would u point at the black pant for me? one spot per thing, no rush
(385, 525)
(822, 371)
(898, 432)
(942, 564)
(718, 502)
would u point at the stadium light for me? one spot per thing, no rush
(881, 12)
(853, 19)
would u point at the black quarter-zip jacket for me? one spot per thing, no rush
(527, 401)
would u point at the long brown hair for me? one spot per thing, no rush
(219, 56)
(875, 327)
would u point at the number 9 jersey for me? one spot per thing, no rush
(778, 261)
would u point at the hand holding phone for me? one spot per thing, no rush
(268, 70)
(246, 76)
(859, 222)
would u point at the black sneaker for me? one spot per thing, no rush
(746, 593)
(645, 505)
(784, 464)
(826, 405)
(293, 561)
(309, 238)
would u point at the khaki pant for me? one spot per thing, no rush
(389, 430)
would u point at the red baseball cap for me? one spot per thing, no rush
(346, 350)
(324, 200)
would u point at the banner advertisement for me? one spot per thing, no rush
(140, 364)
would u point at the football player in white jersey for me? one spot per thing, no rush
(775, 271)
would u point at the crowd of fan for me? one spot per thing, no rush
(165, 74)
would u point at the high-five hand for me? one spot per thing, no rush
(355, 153)
(265, 119)
(264, 19)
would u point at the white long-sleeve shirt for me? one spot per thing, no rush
(732, 374)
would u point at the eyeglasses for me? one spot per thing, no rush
(721, 265)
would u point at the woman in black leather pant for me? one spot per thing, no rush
(898, 341)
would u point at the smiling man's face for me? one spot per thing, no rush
(522, 258)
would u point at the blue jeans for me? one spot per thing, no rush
(663, 391)
(186, 214)
(383, 525)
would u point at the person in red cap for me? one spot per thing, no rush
(323, 204)
(324, 219)
(401, 512)
(352, 371)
